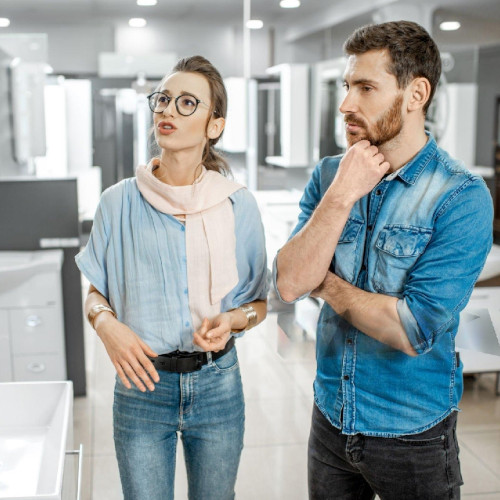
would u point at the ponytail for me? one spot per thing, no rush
(213, 160)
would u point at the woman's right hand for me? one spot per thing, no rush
(128, 353)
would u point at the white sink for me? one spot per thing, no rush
(34, 423)
(18, 267)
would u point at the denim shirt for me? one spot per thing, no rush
(421, 235)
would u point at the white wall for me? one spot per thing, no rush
(221, 44)
(73, 49)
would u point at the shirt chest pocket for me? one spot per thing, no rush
(347, 249)
(398, 248)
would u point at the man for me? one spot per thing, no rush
(392, 235)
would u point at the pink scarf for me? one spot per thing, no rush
(210, 240)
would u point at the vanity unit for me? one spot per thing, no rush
(31, 316)
(36, 442)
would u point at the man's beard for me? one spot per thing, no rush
(388, 126)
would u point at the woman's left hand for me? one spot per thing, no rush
(214, 334)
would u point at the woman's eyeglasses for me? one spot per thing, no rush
(185, 104)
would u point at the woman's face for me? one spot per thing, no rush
(175, 132)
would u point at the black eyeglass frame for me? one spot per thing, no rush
(169, 99)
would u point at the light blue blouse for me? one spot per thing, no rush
(136, 258)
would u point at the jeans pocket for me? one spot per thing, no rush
(226, 363)
(436, 435)
(435, 441)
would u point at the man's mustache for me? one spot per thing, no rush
(354, 120)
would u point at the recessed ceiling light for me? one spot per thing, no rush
(449, 26)
(147, 2)
(255, 24)
(289, 4)
(4, 22)
(137, 22)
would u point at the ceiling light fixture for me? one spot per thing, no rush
(4, 22)
(144, 3)
(289, 4)
(137, 22)
(449, 26)
(255, 24)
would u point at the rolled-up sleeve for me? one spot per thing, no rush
(307, 204)
(92, 259)
(251, 257)
(440, 283)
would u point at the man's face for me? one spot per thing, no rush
(373, 104)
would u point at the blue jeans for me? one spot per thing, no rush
(206, 407)
(421, 466)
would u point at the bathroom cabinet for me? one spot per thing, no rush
(31, 316)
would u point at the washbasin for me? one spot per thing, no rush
(21, 260)
(34, 422)
(18, 267)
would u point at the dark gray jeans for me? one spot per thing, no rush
(421, 466)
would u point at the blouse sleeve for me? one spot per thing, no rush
(92, 260)
(251, 257)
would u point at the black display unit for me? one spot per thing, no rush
(39, 214)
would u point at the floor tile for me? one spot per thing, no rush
(82, 422)
(86, 480)
(277, 422)
(277, 374)
(106, 479)
(480, 405)
(477, 478)
(285, 479)
(181, 485)
(103, 443)
(485, 446)
(264, 375)
(482, 496)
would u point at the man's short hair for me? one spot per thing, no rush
(413, 52)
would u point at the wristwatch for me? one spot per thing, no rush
(97, 309)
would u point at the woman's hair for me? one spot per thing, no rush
(212, 160)
(413, 52)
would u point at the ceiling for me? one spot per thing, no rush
(477, 16)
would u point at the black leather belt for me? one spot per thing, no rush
(186, 362)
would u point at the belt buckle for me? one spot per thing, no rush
(189, 363)
(199, 363)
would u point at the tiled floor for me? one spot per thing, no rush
(277, 377)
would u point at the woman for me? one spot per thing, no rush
(177, 266)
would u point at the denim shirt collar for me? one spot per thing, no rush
(410, 172)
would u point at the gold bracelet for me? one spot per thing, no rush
(251, 315)
(95, 310)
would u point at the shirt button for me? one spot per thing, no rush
(370, 227)
(363, 267)
(187, 323)
(349, 341)
(186, 291)
(183, 228)
(378, 192)
(346, 377)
